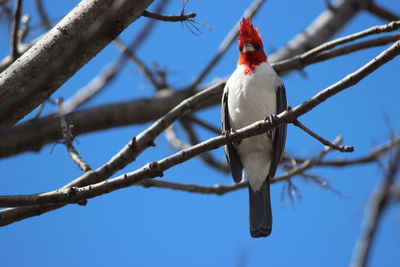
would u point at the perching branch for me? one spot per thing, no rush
(33, 135)
(70, 193)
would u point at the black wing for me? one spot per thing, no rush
(230, 152)
(280, 131)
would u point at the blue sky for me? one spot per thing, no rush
(159, 227)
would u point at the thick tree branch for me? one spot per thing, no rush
(70, 193)
(61, 52)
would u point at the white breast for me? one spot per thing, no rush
(252, 97)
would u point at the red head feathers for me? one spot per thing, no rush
(250, 46)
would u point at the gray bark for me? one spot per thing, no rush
(77, 38)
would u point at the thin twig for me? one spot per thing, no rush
(170, 18)
(148, 27)
(203, 124)
(206, 156)
(377, 206)
(68, 141)
(66, 130)
(323, 140)
(139, 63)
(42, 14)
(15, 28)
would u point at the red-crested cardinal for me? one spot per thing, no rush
(254, 92)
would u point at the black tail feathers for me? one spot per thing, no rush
(260, 211)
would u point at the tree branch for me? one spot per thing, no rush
(61, 52)
(381, 12)
(323, 28)
(323, 140)
(15, 28)
(376, 208)
(70, 193)
(34, 134)
(170, 18)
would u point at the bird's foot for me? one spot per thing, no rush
(228, 133)
(271, 118)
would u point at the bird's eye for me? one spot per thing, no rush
(257, 47)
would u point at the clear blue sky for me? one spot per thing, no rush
(159, 227)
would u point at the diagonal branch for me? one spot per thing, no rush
(323, 28)
(381, 12)
(323, 140)
(34, 134)
(86, 30)
(70, 193)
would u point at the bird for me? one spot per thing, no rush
(254, 92)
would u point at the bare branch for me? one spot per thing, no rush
(35, 134)
(377, 206)
(381, 12)
(72, 194)
(373, 156)
(74, 41)
(298, 62)
(148, 27)
(323, 140)
(96, 85)
(15, 28)
(170, 18)
(206, 157)
(203, 124)
(42, 14)
(323, 28)
(68, 141)
(139, 64)
(392, 26)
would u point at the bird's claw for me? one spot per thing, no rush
(228, 133)
(271, 118)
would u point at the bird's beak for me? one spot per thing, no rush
(248, 47)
